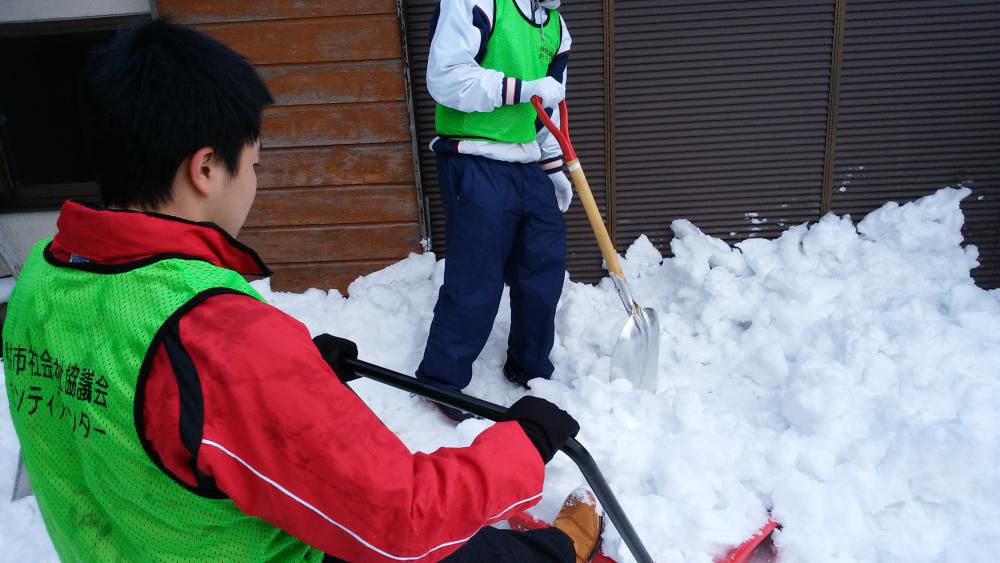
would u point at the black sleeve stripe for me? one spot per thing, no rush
(192, 405)
(557, 68)
(482, 23)
(434, 23)
(140, 392)
(538, 122)
(561, 26)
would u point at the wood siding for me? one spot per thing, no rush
(337, 191)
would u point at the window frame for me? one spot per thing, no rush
(35, 197)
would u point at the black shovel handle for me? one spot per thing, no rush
(492, 411)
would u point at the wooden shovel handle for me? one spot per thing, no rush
(582, 186)
(594, 216)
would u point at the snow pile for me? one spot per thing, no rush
(22, 532)
(845, 377)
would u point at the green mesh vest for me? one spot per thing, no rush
(518, 49)
(75, 343)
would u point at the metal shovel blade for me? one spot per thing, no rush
(637, 353)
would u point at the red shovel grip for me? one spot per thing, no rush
(562, 136)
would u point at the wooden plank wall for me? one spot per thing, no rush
(337, 196)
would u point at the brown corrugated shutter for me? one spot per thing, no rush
(337, 195)
(721, 115)
(418, 19)
(586, 107)
(585, 21)
(919, 110)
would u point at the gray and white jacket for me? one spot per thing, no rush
(460, 31)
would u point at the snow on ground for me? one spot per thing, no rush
(846, 377)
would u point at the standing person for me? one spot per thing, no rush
(502, 184)
(166, 413)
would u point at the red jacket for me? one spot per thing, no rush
(281, 436)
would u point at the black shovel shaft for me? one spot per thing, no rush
(492, 411)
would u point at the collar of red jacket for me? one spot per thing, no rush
(113, 237)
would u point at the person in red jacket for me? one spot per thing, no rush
(237, 402)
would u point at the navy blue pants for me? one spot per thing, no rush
(490, 545)
(503, 226)
(547, 545)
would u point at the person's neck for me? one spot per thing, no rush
(172, 208)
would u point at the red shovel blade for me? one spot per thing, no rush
(522, 521)
(747, 549)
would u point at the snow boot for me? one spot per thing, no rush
(456, 415)
(516, 374)
(580, 519)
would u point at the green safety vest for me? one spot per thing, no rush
(518, 50)
(77, 343)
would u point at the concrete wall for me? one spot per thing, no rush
(41, 10)
(18, 232)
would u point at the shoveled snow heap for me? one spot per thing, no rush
(845, 377)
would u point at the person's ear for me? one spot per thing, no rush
(203, 171)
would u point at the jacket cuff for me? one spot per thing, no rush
(552, 165)
(444, 144)
(510, 91)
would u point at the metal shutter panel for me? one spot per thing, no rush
(721, 115)
(586, 105)
(418, 14)
(920, 109)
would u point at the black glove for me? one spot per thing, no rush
(546, 425)
(335, 351)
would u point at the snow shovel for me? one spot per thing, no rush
(753, 550)
(637, 353)
(495, 412)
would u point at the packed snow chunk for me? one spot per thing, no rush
(933, 223)
(769, 366)
(815, 403)
(695, 252)
(642, 252)
(833, 237)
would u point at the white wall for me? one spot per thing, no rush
(20, 231)
(36, 10)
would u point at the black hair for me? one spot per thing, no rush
(156, 95)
